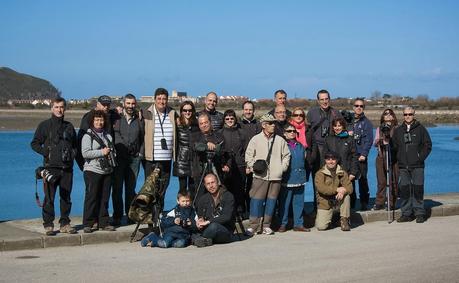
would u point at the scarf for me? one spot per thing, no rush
(301, 129)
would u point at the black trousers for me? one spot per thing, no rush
(411, 189)
(165, 167)
(64, 182)
(96, 199)
(234, 182)
(364, 190)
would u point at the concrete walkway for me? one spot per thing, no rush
(29, 234)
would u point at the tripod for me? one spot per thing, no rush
(389, 191)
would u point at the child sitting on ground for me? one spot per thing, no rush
(176, 225)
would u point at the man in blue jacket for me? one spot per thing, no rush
(363, 136)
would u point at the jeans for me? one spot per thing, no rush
(125, 174)
(291, 196)
(166, 241)
(217, 232)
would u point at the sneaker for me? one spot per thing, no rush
(268, 231)
(301, 229)
(250, 232)
(420, 219)
(282, 229)
(87, 230)
(67, 229)
(108, 228)
(345, 224)
(95, 226)
(49, 231)
(404, 218)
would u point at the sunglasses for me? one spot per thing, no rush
(408, 114)
(229, 118)
(270, 122)
(297, 115)
(187, 110)
(359, 106)
(290, 131)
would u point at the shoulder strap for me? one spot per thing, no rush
(268, 158)
(97, 138)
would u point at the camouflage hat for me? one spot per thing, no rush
(267, 118)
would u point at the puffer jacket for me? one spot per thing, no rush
(216, 119)
(345, 147)
(184, 155)
(234, 145)
(326, 185)
(411, 154)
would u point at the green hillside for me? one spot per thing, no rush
(14, 85)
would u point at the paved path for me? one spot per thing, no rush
(376, 252)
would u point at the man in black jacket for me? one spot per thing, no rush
(215, 210)
(411, 144)
(210, 107)
(55, 140)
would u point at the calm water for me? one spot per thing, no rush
(18, 163)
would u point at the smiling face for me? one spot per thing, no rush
(330, 162)
(408, 115)
(129, 105)
(280, 113)
(211, 101)
(248, 111)
(230, 121)
(211, 184)
(324, 100)
(359, 106)
(204, 124)
(280, 98)
(338, 128)
(161, 102)
(298, 116)
(268, 127)
(98, 123)
(290, 133)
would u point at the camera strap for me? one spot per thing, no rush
(37, 197)
(96, 137)
(268, 158)
(161, 123)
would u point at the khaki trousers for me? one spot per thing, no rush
(324, 216)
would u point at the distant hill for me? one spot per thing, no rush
(17, 86)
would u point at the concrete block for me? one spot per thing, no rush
(61, 241)
(23, 244)
(380, 215)
(2, 245)
(450, 209)
(436, 211)
(99, 237)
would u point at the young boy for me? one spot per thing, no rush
(176, 224)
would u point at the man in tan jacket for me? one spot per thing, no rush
(266, 184)
(333, 190)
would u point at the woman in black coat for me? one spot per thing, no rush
(186, 125)
(235, 142)
(343, 144)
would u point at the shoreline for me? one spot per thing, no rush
(28, 120)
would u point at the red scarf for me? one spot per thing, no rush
(301, 129)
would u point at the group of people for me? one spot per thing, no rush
(230, 167)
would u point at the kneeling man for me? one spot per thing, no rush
(215, 211)
(333, 190)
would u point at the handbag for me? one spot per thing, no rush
(260, 167)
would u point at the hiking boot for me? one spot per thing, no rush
(268, 231)
(87, 230)
(301, 229)
(363, 206)
(67, 229)
(282, 229)
(116, 222)
(420, 219)
(250, 232)
(49, 231)
(108, 228)
(404, 218)
(345, 224)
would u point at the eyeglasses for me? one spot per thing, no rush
(408, 114)
(297, 115)
(359, 106)
(270, 122)
(187, 110)
(229, 118)
(290, 131)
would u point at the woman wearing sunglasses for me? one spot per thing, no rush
(235, 142)
(343, 144)
(186, 125)
(303, 135)
(384, 133)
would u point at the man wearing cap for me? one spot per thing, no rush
(159, 139)
(216, 117)
(412, 145)
(268, 157)
(280, 99)
(333, 190)
(103, 103)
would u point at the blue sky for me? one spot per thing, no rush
(251, 48)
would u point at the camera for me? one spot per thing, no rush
(163, 144)
(108, 161)
(348, 116)
(385, 129)
(132, 149)
(357, 138)
(324, 131)
(42, 172)
(407, 138)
